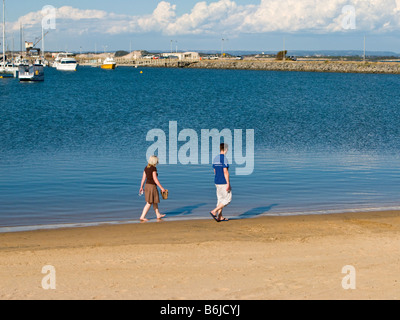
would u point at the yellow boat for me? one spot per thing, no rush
(109, 64)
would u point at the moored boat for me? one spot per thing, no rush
(109, 64)
(7, 69)
(33, 72)
(65, 62)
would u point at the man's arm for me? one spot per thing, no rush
(226, 174)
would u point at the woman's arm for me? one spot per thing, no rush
(143, 181)
(155, 178)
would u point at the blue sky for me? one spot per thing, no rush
(17, 8)
(259, 25)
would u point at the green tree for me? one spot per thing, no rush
(281, 55)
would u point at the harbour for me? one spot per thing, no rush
(77, 159)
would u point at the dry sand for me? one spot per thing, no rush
(265, 258)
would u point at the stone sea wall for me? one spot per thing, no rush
(271, 65)
(305, 66)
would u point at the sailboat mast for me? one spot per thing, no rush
(4, 33)
(43, 43)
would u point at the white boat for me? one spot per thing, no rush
(65, 62)
(6, 69)
(11, 68)
(19, 60)
(5, 73)
(41, 61)
(33, 72)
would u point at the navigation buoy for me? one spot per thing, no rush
(141, 72)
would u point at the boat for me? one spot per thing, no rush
(4, 75)
(65, 62)
(11, 68)
(33, 72)
(20, 60)
(109, 64)
(7, 70)
(41, 61)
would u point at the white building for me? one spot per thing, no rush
(183, 55)
(137, 54)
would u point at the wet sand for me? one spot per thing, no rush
(297, 257)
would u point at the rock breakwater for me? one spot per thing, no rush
(304, 66)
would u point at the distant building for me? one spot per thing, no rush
(137, 55)
(183, 55)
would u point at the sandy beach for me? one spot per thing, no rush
(298, 257)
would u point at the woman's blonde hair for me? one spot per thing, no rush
(153, 161)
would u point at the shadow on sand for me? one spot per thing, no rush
(184, 211)
(252, 213)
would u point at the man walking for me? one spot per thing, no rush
(222, 183)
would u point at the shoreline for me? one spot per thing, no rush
(291, 257)
(80, 225)
(262, 65)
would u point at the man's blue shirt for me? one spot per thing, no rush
(220, 162)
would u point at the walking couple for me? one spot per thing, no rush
(222, 183)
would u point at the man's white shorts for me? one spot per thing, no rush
(224, 197)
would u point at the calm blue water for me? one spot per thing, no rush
(72, 149)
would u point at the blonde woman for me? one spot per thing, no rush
(150, 176)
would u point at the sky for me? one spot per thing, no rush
(253, 25)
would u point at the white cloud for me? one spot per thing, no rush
(77, 14)
(63, 13)
(226, 16)
(206, 18)
(161, 17)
